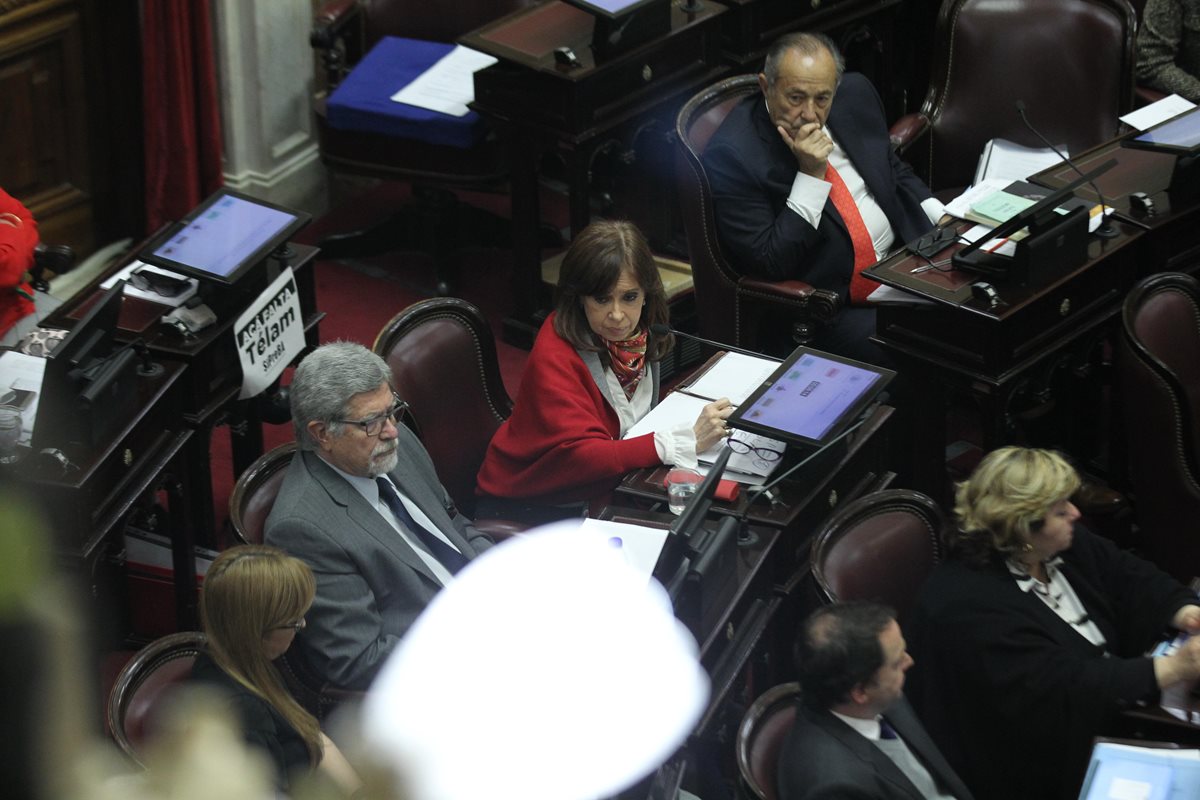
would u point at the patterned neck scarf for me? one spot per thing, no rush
(628, 360)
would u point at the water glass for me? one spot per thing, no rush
(681, 485)
(10, 433)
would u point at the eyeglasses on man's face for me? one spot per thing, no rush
(372, 426)
(765, 453)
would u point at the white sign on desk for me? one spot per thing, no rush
(269, 334)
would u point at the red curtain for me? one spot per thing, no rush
(183, 126)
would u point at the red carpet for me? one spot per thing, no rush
(359, 297)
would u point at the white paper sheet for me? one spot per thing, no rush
(21, 372)
(449, 85)
(639, 544)
(735, 376)
(1160, 111)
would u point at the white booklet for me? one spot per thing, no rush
(735, 376)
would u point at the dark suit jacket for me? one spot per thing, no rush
(370, 584)
(823, 758)
(751, 172)
(262, 726)
(1001, 680)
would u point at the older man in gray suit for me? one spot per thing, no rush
(362, 505)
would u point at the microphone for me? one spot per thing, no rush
(1106, 230)
(661, 329)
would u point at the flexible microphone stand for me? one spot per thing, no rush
(1106, 230)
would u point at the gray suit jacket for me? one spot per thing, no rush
(823, 758)
(370, 584)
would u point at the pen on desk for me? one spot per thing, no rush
(920, 269)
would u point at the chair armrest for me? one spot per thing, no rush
(820, 305)
(338, 33)
(790, 291)
(907, 130)
(500, 529)
(57, 259)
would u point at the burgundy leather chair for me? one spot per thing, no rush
(254, 493)
(760, 737)
(443, 359)
(1070, 61)
(143, 685)
(343, 32)
(1158, 373)
(880, 547)
(731, 306)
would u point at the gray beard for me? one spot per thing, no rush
(386, 465)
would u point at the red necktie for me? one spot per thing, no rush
(864, 249)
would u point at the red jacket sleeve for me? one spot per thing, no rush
(562, 442)
(16, 242)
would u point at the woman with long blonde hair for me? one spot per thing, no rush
(252, 606)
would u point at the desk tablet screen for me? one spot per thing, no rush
(610, 8)
(225, 236)
(1178, 135)
(810, 397)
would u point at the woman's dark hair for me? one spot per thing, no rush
(593, 264)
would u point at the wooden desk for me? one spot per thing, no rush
(1039, 342)
(846, 471)
(1174, 228)
(87, 506)
(213, 379)
(542, 108)
(1175, 719)
(741, 635)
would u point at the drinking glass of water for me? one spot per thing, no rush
(10, 433)
(682, 483)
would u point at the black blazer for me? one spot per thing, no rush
(1001, 680)
(823, 757)
(751, 172)
(262, 726)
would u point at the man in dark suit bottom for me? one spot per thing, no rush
(855, 735)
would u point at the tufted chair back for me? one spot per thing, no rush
(143, 685)
(443, 358)
(729, 305)
(1070, 61)
(1158, 369)
(880, 547)
(760, 738)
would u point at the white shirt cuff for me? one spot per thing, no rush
(808, 197)
(934, 209)
(677, 446)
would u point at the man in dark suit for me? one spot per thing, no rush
(855, 735)
(362, 506)
(806, 184)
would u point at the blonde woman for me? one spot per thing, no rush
(1029, 638)
(253, 605)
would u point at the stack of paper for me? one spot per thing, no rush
(735, 376)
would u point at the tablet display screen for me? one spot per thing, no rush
(811, 397)
(224, 237)
(1178, 135)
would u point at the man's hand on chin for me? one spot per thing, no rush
(811, 147)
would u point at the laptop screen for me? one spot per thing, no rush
(811, 397)
(1130, 772)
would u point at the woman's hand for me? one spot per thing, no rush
(1182, 665)
(1187, 619)
(710, 425)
